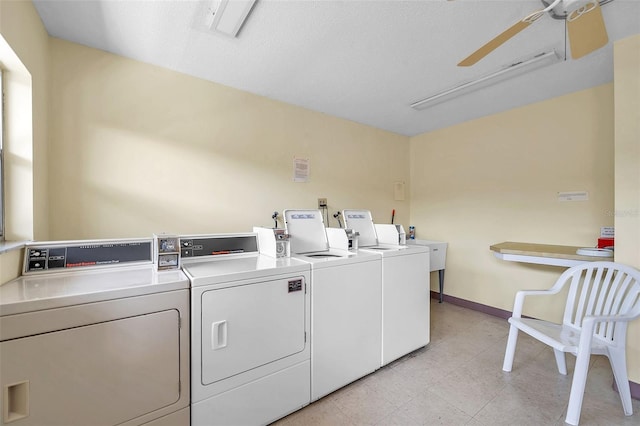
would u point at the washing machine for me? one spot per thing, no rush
(92, 334)
(250, 322)
(346, 312)
(405, 286)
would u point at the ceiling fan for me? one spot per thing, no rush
(585, 26)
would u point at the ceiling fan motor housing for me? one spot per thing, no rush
(565, 7)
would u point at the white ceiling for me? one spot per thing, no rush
(365, 61)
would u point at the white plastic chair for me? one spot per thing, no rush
(603, 298)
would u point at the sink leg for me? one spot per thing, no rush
(441, 282)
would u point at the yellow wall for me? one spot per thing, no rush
(10, 265)
(137, 149)
(496, 179)
(627, 171)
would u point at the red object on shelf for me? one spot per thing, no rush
(605, 242)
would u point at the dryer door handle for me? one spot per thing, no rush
(218, 335)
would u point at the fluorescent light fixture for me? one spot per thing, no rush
(227, 16)
(518, 68)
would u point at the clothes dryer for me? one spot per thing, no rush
(345, 305)
(405, 288)
(92, 334)
(250, 349)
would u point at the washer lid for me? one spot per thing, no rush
(333, 257)
(361, 221)
(306, 231)
(390, 250)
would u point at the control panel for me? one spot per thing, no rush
(50, 257)
(167, 252)
(352, 238)
(215, 245)
(273, 242)
(282, 243)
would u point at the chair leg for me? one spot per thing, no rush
(511, 349)
(561, 361)
(618, 361)
(577, 387)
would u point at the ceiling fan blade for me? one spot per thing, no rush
(507, 34)
(587, 31)
(495, 43)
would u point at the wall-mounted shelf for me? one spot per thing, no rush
(542, 254)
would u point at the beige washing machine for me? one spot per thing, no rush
(92, 334)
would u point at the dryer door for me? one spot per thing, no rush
(100, 374)
(247, 326)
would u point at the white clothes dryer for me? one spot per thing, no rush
(406, 290)
(92, 334)
(345, 305)
(250, 318)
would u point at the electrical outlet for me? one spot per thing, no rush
(322, 203)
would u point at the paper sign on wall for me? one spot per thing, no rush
(573, 196)
(300, 169)
(607, 232)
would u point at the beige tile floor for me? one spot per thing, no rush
(458, 380)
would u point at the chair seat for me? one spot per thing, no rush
(558, 336)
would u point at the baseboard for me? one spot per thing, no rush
(635, 389)
(501, 313)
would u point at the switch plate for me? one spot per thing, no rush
(322, 203)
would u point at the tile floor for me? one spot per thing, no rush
(458, 380)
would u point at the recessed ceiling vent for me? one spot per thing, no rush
(223, 16)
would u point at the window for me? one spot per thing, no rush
(1, 159)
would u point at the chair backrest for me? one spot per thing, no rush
(602, 288)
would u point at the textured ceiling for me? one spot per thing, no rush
(364, 61)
